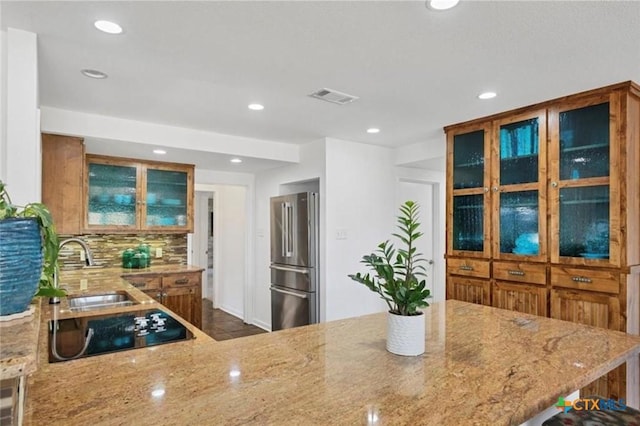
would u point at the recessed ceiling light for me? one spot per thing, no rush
(487, 95)
(108, 27)
(159, 151)
(441, 4)
(256, 107)
(93, 74)
(373, 130)
(236, 160)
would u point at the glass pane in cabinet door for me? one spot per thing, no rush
(519, 152)
(584, 222)
(112, 195)
(584, 142)
(166, 198)
(519, 223)
(468, 160)
(468, 229)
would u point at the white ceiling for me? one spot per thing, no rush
(198, 64)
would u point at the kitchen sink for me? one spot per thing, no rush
(99, 301)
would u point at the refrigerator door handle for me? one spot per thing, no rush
(290, 269)
(290, 293)
(283, 234)
(288, 219)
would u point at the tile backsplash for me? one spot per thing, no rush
(107, 249)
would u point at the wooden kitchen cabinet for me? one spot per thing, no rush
(548, 196)
(469, 290)
(179, 292)
(598, 310)
(62, 174)
(128, 195)
(530, 299)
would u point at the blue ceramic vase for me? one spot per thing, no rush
(20, 263)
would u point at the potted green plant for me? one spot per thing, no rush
(399, 278)
(28, 254)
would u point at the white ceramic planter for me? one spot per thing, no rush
(405, 334)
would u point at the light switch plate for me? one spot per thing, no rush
(158, 252)
(83, 284)
(341, 234)
(83, 256)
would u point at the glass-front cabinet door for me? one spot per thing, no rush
(126, 195)
(112, 195)
(519, 187)
(583, 185)
(166, 198)
(468, 151)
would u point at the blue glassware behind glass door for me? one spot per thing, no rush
(468, 210)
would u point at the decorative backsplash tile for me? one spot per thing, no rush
(107, 249)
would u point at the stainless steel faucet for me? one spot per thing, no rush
(88, 259)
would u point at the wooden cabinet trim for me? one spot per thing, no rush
(623, 86)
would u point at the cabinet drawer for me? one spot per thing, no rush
(520, 272)
(468, 267)
(585, 279)
(144, 282)
(181, 280)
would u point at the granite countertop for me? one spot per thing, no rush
(482, 366)
(19, 337)
(18, 341)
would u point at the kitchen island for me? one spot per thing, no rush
(482, 366)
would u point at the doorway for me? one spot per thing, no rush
(220, 242)
(204, 240)
(426, 194)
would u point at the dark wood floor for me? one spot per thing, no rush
(223, 326)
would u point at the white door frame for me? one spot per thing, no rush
(249, 275)
(201, 240)
(437, 231)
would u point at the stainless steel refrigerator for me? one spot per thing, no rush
(294, 260)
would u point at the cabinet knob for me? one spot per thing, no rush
(554, 184)
(486, 189)
(495, 189)
(159, 295)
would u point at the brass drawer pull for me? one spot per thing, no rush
(516, 272)
(182, 281)
(581, 279)
(466, 268)
(139, 285)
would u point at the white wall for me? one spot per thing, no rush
(22, 151)
(230, 235)
(357, 200)
(211, 181)
(267, 185)
(360, 203)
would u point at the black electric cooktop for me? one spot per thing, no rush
(81, 337)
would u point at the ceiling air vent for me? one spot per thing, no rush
(333, 96)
